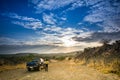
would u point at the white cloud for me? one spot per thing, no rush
(111, 27)
(53, 28)
(51, 32)
(54, 34)
(92, 2)
(64, 18)
(30, 19)
(106, 13)
(26, 22)
(100, 11)
(49, 19)
(51, 4)
(49, 40)
(29, 25)
(55, 4)
(85, 34)
(76, 4)
(9, 41)
(23, 18)
(94, 18)
(70, 31)
(63, 31)
(30, 41)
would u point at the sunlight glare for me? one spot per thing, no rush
(67, 42)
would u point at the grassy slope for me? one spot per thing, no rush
(105, 58)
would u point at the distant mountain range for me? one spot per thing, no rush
(46, 49)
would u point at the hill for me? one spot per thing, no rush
(13, 59)
(105, 58)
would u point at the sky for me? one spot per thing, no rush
(57, 26)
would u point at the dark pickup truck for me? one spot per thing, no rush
(33, 65)
(36, 65)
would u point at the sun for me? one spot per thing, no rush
(68, 42)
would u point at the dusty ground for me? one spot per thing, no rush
(58, 71)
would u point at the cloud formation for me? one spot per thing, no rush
(49, 19)
(80, 23)
(8, 41)
(50, 4)
(98, 36)
(16, 16)
(106, 15)
(26, 22)
(29, 25)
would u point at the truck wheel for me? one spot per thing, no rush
(38, 68)
(28, 69)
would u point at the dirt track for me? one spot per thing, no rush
(58, 71)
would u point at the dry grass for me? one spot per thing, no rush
(11, 67)
(60, 70)
(111, 67)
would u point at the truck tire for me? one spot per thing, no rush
(28, 69)
(38, 68)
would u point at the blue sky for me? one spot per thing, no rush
(57, 25)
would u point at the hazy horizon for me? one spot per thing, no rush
(40, 49)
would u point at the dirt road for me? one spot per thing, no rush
(58, 71)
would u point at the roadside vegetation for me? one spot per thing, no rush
(105, 58)
(18, 61)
